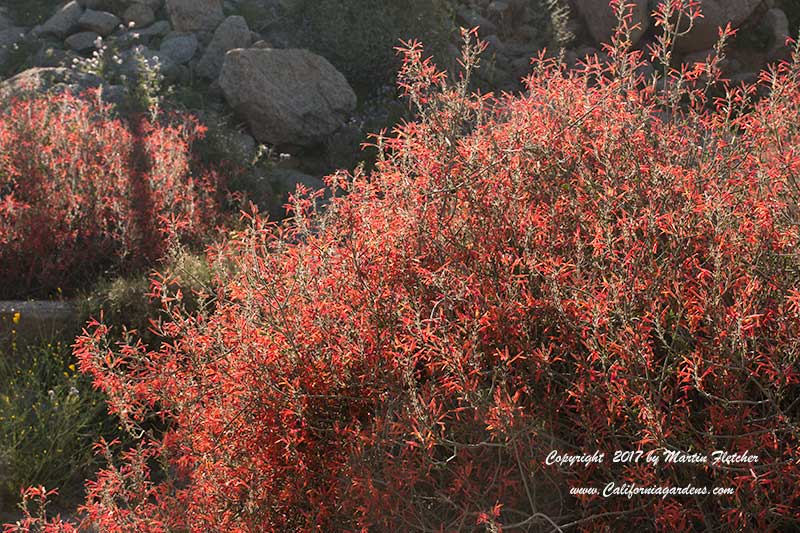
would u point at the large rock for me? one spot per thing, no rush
(195, 15)
(63, 22)
(716, 14)
(179, 47)
(602, 22)
(38, 80)
(287, 96)
(232, 33)
(100, 22)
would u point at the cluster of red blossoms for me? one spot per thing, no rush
(603, 262)
(83, 192)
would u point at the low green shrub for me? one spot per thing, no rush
(125, 302)
(50, 416)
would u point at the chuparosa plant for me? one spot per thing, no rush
(606, 262)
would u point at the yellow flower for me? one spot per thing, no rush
(16, 318)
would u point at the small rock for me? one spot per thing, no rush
(287, 180)
(139, 15)
(114, 94)
(82, 41)
(288, 96)
(64, 22)
(521, 67)
(142, 36)
(243, 146)
(343, 148)
(194, 15)
(179, 47)
(232, 33)
(495, 45)
(283, 182)
(100, 22)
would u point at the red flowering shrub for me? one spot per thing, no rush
(34, 503)
(82, 191)
(604, 262)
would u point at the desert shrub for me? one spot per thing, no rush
(359, 36)
(50, 417)
(601, 263)
(35, 515)
(83, 193)
(127, 303)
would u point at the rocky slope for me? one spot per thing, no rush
(237, 61)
